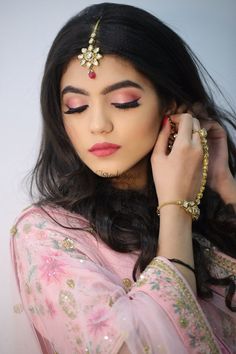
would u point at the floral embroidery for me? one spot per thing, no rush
(228, 266)
(13, 230)
(41, 225)
(111, 302)
(141, 281)
(29, 256)
(127, 283)
(40, 234)
(50, 308)
(26, 228)
(146, 349)
(70, 283)
(38, 309)
(68, 244)
(27, 289)
(38, 287)
(98, 321)
(52, 269)
(183, 304)
(32, 270)
(68, 303)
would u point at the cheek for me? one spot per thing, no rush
(148, 129)
(72, 132)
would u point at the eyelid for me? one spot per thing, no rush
(79, 109)
(133, 103)
(129, 104)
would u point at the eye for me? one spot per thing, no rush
(126, 105)
(76, 109)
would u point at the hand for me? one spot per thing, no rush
(177, 175)
(219, 177)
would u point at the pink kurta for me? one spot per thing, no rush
(80, 297)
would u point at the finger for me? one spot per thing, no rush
(184, 124)
(161, 146)
(182, 109)
(195, 135)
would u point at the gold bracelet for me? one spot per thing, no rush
(191, 207)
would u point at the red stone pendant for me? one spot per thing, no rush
(92, 75)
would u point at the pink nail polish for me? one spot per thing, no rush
(164, 121)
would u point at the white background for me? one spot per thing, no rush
(27, 29)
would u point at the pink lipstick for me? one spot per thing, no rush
(104, 149)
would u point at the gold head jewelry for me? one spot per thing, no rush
(90, 56)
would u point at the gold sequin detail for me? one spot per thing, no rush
(184, 322)
(13, 230)
(27, 228)
(146, 349)
(68, 303)
(70, 283)
(111, 302)
(127, 284)
(223, 262)
(68, 244)
(27, 288)
(18, 308)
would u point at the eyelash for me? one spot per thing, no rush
(127, 105)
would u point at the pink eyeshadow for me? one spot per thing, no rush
(73, 103)
(122, 98)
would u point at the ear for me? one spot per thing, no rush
(171, 108)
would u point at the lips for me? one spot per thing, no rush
(104, 149)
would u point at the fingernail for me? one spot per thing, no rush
(164, 121)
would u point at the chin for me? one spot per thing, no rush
(106, 174)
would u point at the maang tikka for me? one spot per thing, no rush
(90, 56)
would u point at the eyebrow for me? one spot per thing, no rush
(106, 90)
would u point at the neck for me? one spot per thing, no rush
(135, 178)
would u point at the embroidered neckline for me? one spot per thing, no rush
(221, 260)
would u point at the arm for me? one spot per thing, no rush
(220, 178)
(177, 176)
(175, 240)
(227, 191)
(78, 305)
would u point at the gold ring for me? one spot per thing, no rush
(202, 132)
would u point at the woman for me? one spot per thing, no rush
(101, 268)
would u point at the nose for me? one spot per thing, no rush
(100, 122)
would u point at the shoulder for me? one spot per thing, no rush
(51, 230)
(47, 225)
(48, 219)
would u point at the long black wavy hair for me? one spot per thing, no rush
(126, 220)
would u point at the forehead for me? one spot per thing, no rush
(111, 69)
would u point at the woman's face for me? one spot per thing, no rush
(112, 120)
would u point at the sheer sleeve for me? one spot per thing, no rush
(76, 305)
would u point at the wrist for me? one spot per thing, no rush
(227, 190)
(175, 218)
(189, 207)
